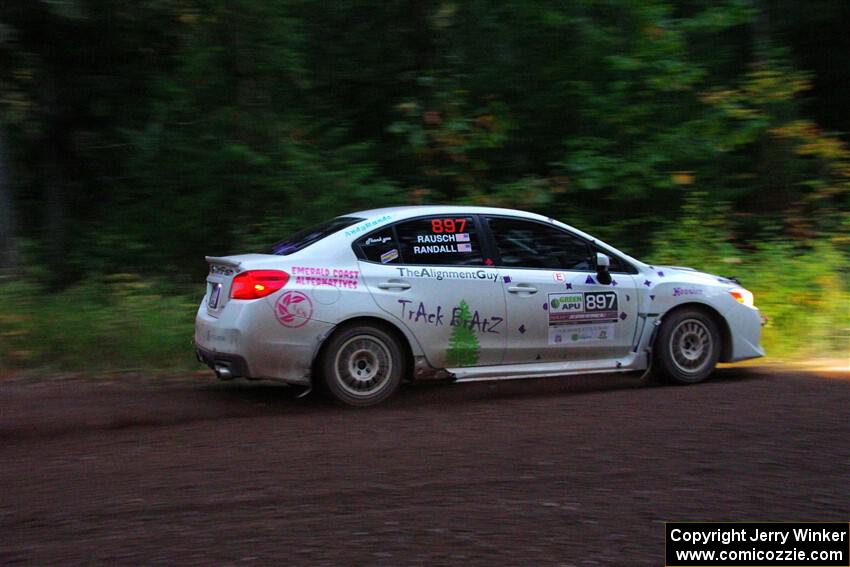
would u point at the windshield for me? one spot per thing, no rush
(304, 238)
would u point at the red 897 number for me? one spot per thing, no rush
(449, 226)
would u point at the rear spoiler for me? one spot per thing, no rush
(223, 261)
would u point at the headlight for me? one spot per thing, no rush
(743, 296)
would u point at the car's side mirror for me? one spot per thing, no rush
(603, 262)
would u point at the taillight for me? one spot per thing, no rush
(255, 284)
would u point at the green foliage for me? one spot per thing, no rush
(701, 239)
(230, 123)
(803, 288)
(804, 291)
(119, 322)
(144, 135)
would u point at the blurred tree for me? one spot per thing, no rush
(232, 154)
(815, 33)
(8, 248)
(145, 134)
(73, 75)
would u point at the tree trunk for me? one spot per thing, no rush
(54, 183)
(8, 250)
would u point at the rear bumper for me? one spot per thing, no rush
(250, 342)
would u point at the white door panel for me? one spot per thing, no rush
(568, 316)
(456, 313)
(556, 309)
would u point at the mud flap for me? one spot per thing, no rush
(648, 378)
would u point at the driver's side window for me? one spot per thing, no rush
(528, 244)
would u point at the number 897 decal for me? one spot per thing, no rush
(589, 306)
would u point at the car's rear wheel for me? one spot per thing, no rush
(362, 365)
(687, 347)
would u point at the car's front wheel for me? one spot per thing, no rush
(362, 365)
(688, 347)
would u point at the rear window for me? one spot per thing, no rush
(380, 247)
(304, 238)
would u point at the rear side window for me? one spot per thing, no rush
(440, 241)
(380, 247)
(304, 238)
(527, 244)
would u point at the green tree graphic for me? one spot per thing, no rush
(463, 344)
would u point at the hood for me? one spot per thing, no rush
(730, 280)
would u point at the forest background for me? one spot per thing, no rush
(138, 136)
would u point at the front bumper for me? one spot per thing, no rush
(745, 324)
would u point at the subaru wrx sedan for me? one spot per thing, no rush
(363, 301)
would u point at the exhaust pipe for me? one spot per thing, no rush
(223, 372)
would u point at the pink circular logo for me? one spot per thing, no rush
(293, 309)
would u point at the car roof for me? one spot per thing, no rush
(408, 211)
(417, 210)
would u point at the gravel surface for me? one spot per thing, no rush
(572, 471)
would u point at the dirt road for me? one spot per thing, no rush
(573, 471)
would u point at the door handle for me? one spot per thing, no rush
(393, 285)
(523, 288)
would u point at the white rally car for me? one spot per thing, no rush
(365, 300)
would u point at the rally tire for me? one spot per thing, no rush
(361, 365)
(687, 347)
